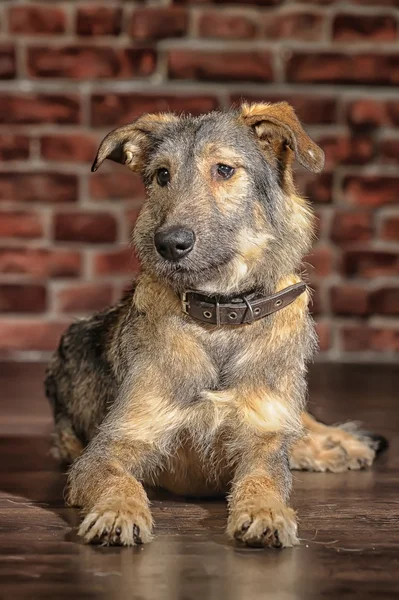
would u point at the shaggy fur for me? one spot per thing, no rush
(144, 395)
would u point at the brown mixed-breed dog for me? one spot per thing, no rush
(144, 394)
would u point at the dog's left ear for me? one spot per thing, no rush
(129, 144)
(278, 122)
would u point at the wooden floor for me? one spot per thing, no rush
(349, 523)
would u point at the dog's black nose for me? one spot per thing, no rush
(174, 243)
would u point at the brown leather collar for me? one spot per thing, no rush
(240, 310)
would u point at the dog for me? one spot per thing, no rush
(196, 380)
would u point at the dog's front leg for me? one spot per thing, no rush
(258, 511)
(106, 480)
(114, 502)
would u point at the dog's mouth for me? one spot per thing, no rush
(190, 271)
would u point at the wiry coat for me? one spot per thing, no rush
(161, 399)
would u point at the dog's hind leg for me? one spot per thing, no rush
(66, 446)
(334, 448)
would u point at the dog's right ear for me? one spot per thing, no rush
(129, 144)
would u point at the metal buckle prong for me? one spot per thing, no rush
(217, 310)
(249, 306)
(185, 304)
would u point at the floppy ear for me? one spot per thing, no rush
(128, 145)
(273, 122)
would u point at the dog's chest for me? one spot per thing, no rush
(235, 351)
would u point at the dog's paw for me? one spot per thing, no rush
(263, 523)
(338, 449)
(117, 523)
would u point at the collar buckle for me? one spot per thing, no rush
(185, 304)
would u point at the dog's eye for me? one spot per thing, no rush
(163, 177)
(224, 171)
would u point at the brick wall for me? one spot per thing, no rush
(71, 71)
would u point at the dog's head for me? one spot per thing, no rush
(221, 213)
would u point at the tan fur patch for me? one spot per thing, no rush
(216, 153)
(302, 217)
(265, 412)
(151, 416)
(279, 122)
(148, 288)
(260, 410)
(251, 245)
(228, 194)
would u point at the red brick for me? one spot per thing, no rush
(367, 114)
(14, 147)
(343, 150)
(118, 184)
(384, 340)
(358, 27)
(98, 20)
(349, 300)
(30, 335)
(323, 332)
(377, 2)
(7, 61)
(385, 301)
(220, 66)
(36, 19)
(351, 226)
(362, 338)
(40, 262)
(245, 2)
(216, 24)
(20, 225)
(390, 229)
(118, 109)
(335, 67)
(66, 147)
(393, 112)
(92, 228)
(339, 2)
(390, 150)
(90, 62)
(312, 110)
(355, 338)
(316, 188)
(319, 262)
(371, 190)
(321, 2)
(116, 262)
(26, 298)
(32, 109)
(298, 25)
(156, 23)
(370, 263)
(84, 297)
(38, 187)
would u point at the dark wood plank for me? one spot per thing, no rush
(348, 522)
